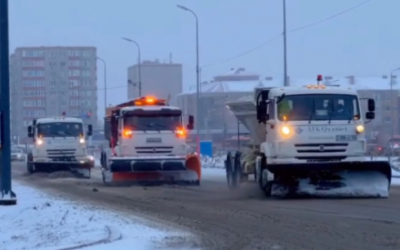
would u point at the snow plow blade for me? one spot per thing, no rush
(78, 170)
(160, 170)
(338, 179)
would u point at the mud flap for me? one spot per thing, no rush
(343, 179)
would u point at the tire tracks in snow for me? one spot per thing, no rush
(112, 235)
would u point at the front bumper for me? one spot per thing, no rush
(83, 161)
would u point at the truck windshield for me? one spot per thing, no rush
(60, 129)
(318, 107)
(154, 122)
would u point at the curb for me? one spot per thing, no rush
(113, 235)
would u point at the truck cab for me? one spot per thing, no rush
(147, 128)
(59, 143)
(310, 134)
(147, 138)
(312, 123)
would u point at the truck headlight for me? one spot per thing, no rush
(39, 142)
(285, 130)
(360, 128)
(82, 140)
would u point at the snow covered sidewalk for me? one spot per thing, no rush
(43, 222)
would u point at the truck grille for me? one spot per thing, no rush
(55, 153)
(321, 148)
(154, 150)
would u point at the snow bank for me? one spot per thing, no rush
(42, 222)
(215, 162)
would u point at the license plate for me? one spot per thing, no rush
(153, 140)
(346, 138)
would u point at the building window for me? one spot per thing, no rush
(86, 83)
(387, 119)
(73, 93)
(85, 63)
(73, 53)
(33, 83)
(73, 63)
(87, 53)
(74, 103)
(34, 93)
(86, 73)
(85, 103)
(32, 73)
(74, 73)
(73, 83)
(33, 63)
(32, 53)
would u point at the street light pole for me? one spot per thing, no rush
(7, 196)
(139, 64)
(105, 82)
(285, 81)
(391, 107)
(197, 76)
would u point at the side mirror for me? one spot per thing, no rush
(371, 105)
(262, 115)
(370, 115)
(90, 130)
(30, 131)
(190, 124)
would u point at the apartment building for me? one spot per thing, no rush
(47, 81)
(163, 80)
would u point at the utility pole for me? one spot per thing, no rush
(285, 79)
(391, 109)
(197, 76)
(105, 81)
(138, 64)
(7, 196)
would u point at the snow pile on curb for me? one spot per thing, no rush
(216, 162)
(43, 222)
(39, 222)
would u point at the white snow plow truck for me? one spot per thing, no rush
(307, 141)
(147, 142)
(59, 144)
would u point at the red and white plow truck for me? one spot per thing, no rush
(147, 144)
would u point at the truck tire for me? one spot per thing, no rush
(230, 171)
(29, 164)
(264, 184)
(29, 167)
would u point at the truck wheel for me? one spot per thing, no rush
(29, 168)
(230, 172)
(264, 184)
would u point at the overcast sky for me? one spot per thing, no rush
(362, 42)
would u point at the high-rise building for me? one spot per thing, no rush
(163, 80)
(48, 81)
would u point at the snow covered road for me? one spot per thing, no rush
(44, 222)
(243, 218)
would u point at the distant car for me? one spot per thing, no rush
(17, 154)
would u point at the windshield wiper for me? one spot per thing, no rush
(351, 118)
(329, 117)
(312, 112)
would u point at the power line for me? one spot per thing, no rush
(330, 17)
(290, 31)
